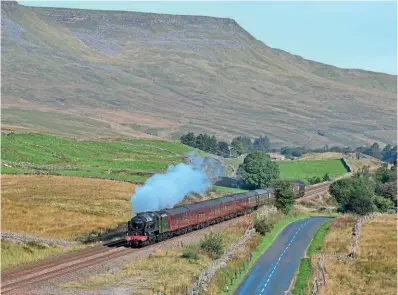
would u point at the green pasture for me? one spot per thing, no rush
(124, 159)
(304, 170)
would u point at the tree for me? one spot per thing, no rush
(237, 148)
(314, 180)
(375, 151)
(295, 152)
(203, 142)
(188, 139)
(340, 190)
(246, 142)
(386, 150)
(383, 174)
(361, 204)
(261, 144)
(213, 145)
(389, 153)
(388, 190)
(284, 198)
(258, 171)
(326, 177)
(355, 194)
(223, 149)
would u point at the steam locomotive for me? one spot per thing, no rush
(147, 228)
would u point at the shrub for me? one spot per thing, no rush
(332, 201)
(190, 254)
(92, 236)
(213, 244)
(315, 180)
(382, 204)
(326, 177)
(263, 224)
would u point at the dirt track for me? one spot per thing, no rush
(27, 278)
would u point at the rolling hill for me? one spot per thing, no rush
(101, 73)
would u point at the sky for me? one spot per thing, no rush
(345, 34)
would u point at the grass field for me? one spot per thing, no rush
(62, 207)
(374, 271)
(306, 169)
(355, 164)
(127, 159)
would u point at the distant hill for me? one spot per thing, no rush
(102, 73)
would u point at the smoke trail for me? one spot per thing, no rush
(165, 190)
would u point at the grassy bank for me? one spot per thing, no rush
(304, 274)
(14, 254)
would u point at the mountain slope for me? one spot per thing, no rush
(114, 72)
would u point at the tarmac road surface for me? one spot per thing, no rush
(275, 269)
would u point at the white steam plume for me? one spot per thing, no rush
(165, 190)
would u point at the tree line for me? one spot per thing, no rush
(387, 154)
(238, 146)
(367, 192)
(243, 145)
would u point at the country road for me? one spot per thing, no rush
(275, 269)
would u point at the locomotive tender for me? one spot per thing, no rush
(151, 227)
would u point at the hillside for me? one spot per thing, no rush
(103, 73)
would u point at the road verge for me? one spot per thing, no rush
(304, 272)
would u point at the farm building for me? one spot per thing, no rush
(276, 156)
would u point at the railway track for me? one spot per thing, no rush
(15, 280)
(20, 278)
(314, 192)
